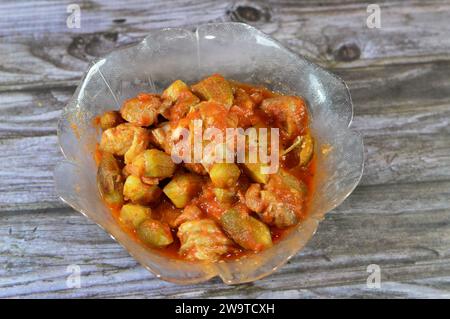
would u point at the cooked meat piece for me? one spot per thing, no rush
(203, 240)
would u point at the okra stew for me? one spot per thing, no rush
(207, 209)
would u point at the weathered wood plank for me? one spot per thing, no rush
(42, 49)
(26, 172)
(432, 288)
(400, 103)
(384, 225)
(397, 88)
(406, 132)
(406, 159)
(397, 218)
(27, 178)
(31, 113)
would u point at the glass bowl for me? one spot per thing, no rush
(237, 51)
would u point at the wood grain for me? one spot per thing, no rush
(36, 251)
(398, 218)
(387, 99)
(333, 35)
(406, 132)
(28, 183)
(32, 113)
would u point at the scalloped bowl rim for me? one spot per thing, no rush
(215, 273)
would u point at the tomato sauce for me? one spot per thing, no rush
(246, 111)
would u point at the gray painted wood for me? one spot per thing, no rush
(38, 246)
(398, 218)
(329, 33)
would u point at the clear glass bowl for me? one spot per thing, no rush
(237, 51)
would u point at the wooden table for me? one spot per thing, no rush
(397, 218)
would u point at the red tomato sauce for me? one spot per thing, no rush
(244, 112)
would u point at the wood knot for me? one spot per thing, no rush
(76, 47)
(119, 21)
(248, 13)
(347, 53)
(101, 44)
(92, 44)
